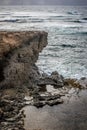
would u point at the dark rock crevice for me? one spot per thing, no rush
(1, 72)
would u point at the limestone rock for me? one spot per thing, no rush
(18, 53)
(54, 79)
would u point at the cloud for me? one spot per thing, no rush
(43, 2)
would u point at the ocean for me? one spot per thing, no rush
(66, 51)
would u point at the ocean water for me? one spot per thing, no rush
(66, 51)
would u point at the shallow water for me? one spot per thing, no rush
(68, 116)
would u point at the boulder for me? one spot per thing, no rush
(54, 79)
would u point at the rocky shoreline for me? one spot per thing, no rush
(22, 84)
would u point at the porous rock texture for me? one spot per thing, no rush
(18, 53)
(18, 73)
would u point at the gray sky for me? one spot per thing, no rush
(43, 2)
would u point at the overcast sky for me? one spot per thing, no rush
(43, 2)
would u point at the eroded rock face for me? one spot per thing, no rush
(18, 53)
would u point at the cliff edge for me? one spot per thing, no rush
(18, 53)
(21, 83)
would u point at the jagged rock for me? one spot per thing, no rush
(54, 79)
(54, 102)
(57, 78)
(18, 53)
(48, 98)
(38, 104)
(72, 83)
(82, 82)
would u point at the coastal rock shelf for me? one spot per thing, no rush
(22, 84)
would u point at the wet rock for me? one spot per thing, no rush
(51, 97)
(54, 79)
(40, 101)
(82, 82)
(38, 104)
(57, 78)
(72, 83)
(54, 102)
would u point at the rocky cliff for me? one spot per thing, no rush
(21, 83)
(18, 53)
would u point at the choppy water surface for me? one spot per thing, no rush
(71, 116)
(67, 35)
